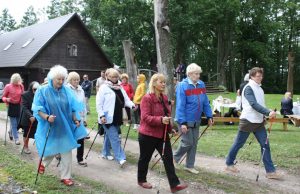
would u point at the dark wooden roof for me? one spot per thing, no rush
(19, 55)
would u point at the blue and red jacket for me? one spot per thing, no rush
(191, 101)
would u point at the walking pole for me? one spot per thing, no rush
(162, 156)
(6, 127)
(41, 159)
(92, 128)
(264, 149)
(92, 143)
(171, 145)
(198, 139)
(127, 136)
(28, 132)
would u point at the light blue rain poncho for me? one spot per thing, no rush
(63, 134)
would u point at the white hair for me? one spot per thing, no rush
(246, 78)
(193, 67)
(57, 71)
(15, 78)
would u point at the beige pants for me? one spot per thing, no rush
(65, 165)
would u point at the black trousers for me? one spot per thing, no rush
(147, 146)
(80, 150)
(128, 113)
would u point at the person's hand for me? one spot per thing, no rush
(166, 120)
(51, 118)
(184, 129)
(210, 122)
(272, 115)
(32, 119)
(135, 107)
(77, 123)
(172, 102)
(7, 99)
(103, 120)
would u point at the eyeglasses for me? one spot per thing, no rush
(34, 89)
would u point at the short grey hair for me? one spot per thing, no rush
(193, 67)
(56, 71)
(15, 78)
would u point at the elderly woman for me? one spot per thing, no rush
(27, 121)
(129, 91)
(110, 100)
(191, 101)
(73, 83)
(57, 111)
(155, 115)
(12, 97)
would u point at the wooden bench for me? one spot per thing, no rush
(295, 119)
(284, 121)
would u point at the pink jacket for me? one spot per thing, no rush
(152, 112)
(14, 92)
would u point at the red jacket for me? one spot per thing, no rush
(152, 112)
(128, 89)
(14, 92)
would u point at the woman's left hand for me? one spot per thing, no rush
(210, 122)
(77, 123)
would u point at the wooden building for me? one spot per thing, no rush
(33, 50)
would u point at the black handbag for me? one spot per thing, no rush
(13, 110)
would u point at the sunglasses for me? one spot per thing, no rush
(34, 89)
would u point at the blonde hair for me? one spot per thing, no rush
(73, 75)
(124, 75)
(112, 72)
(15, 78)
(288, 95)
(193, 67)
(152, 83)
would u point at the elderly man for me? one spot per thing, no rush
(252, 121)
(191, 101)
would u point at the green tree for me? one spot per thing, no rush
(29, 18)
(7, 22)
(63, 7)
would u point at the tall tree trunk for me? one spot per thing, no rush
(290, 82)
(131, 64)
(163, 43)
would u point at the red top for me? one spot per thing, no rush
(128, 89)
(14, 92)
(152, 112)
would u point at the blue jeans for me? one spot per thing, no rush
(239, 142)
(112, 138)
(14, 127)
(188, 145)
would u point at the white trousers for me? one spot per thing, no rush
(65, 165)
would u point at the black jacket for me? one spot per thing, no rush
(87, 88)
(26, 113)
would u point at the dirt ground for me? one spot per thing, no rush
(124, 179)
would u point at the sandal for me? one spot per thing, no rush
(41, 169)
(67, 182)
(83, 164)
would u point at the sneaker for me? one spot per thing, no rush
(17, 142)
(27, 151)
(274, 175)
(232, 168)
(191, 170)
(83, 164)
(135, 126)
(122, 163)
(110, 158)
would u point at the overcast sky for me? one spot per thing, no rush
(17, 8)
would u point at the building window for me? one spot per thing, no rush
(72, 50)
(8, 46)
(27, 42)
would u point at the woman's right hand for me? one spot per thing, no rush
(184, 129)
(51, 118)
(166, 120)
(103, 120)
(32, 119)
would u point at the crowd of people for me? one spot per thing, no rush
(55, 114)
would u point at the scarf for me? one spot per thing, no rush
(115, 86)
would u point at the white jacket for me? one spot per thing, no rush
(105, 103)
(79, 94)
(248, 112)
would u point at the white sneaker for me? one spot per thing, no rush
(110, 158)
(135, 126)
(191, 170)
(122, 163)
